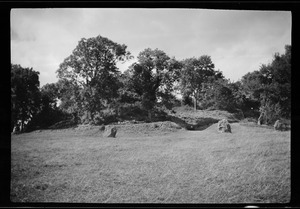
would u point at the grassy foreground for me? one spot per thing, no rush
(251, 165)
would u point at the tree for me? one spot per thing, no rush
(49, 96)
(69, 96)
(145, 85)
(48, 112)
(25, 95)
(271, 87)
(195, 73)
(153, 77)
(92, 74)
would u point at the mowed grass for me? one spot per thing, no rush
(251, 165)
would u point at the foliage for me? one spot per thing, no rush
(271, 87)
(90, 75)
(271, 112)
(218, 95)
(153, 77)
(48, 113)
(25, 95)
(186, 100)
(195, 73)
(92, 90)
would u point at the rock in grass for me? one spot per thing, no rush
(224, 126)
(102, 128)
(280, 126)
(113, 132)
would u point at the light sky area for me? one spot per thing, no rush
(238, 41)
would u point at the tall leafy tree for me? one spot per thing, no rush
(92, 72)
(49, 112)
(25, 94)
(195, 73)
(271, 86)
(153, 77)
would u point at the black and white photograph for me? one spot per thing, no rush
(150, 106)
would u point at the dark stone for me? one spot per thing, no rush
(280, 126)
(102, 128)
(113, 132)
(224, 126)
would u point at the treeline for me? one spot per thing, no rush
(92, 90)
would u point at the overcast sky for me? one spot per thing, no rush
(237, 41)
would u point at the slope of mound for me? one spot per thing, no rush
(190, 115)
(180, 117)
(140, 129)
(190, 119)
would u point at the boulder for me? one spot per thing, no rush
(224, 126)
(113, 132)
(102, 128)
(280, 126)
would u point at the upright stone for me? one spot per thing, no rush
(224, 126)
(113, 132)
(102, 128)
(279, 126)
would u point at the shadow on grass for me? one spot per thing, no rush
(201, 124)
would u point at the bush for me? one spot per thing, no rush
(45, 119)
(187, 100)
(271, 112)
(132, 112)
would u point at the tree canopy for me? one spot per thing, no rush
(271, 86)
(25, 94)
(92, 89)
(195, 73)
(91, 73)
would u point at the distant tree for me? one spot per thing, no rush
(243, 101)
(195, 73)
(126, 91)
(169, 83)
(69, 96)
(49, 94)
(91, 73)
(48, 113)
(145, 84)
(153, 77)
(25, 95)
(271, 87)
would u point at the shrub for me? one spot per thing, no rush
(271, 112)
(45, 119)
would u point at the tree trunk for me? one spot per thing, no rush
(260, 119)
(22, 126)
(91, 116)
(150, 115)
(195, 103)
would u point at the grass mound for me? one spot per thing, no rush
(63, 124)
(128, 129)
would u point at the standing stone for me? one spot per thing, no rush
(113, 132)
(224, 126)
(102, 128)
(279, 126)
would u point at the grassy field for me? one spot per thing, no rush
(151, 163)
